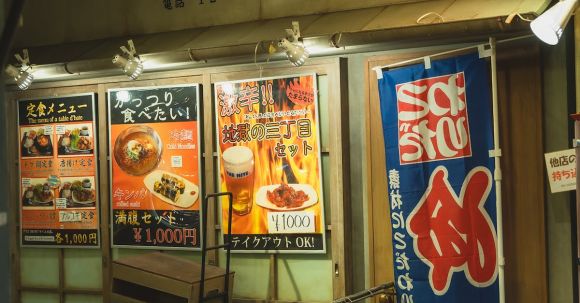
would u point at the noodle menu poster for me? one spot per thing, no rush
(269, 159)
(155, 166)
(58, 172)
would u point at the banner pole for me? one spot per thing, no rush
(379, 69)
(496, 154)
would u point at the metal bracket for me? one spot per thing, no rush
(483, 52)
(379, 72)
(427, 60)
(495, 153)
(131, 52)
(575, 143)
(293, 34)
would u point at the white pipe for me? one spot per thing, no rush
(497, 173)
(448, 52)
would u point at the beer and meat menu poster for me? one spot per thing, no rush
(59, 205)
(155, 163)
(269, 158)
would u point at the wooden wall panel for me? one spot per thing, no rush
(520, 99)
(520, 96)
(380, 233)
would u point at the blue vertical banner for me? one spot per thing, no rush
(437, 126)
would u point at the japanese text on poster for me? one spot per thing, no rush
(154, 146)
(270, 160)
(561, 168)
(58, 172)
(437, 134)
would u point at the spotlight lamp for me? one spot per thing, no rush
(130, 63)
(23, 75)
(549, 26)
(293, 46)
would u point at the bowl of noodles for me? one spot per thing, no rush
(138, 150)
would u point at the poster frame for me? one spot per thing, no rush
(218, 154)
(200, 140)
(97, 173)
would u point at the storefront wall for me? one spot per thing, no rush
(83, 275)
(307, 277)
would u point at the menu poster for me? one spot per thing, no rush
(155, 166)
(269, 158)
(58, 172)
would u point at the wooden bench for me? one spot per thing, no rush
(160, 277)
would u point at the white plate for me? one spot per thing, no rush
(262, 197)
(185, 200)
(49, 202)
(82, 202)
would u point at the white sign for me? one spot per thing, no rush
(60, 203)
(561, 168)
(295, 222)
(25, 182)
(60, 129)
(48, 130)
(69, 216)
(176, 161)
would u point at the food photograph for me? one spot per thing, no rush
(138, 150)
(76, 140)
(172, 189)
(38, 194)
(144, 170)
(79, 192)
(35, 143)
(286, 197)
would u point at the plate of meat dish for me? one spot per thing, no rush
(286, 197)
(36, 143)
(38, 195)
(75, 141)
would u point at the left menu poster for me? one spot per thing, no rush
(59, 203)
(155, 166)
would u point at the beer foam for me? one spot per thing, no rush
(238, 159)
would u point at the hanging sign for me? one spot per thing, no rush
(155, 166)
(269, 158)
(438, 134)
(561, 168)
(59, 203)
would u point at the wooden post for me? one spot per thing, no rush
(273, 289)
(103, 162)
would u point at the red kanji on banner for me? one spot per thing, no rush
(453, 234)
(432, 116)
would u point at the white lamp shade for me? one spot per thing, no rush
(296, 53)
(132, 67)
(549, 26)
(22, 78)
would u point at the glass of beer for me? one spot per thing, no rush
(239, 170)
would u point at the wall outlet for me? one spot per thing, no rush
(3, 218)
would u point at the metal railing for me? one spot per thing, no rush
(388, 290)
